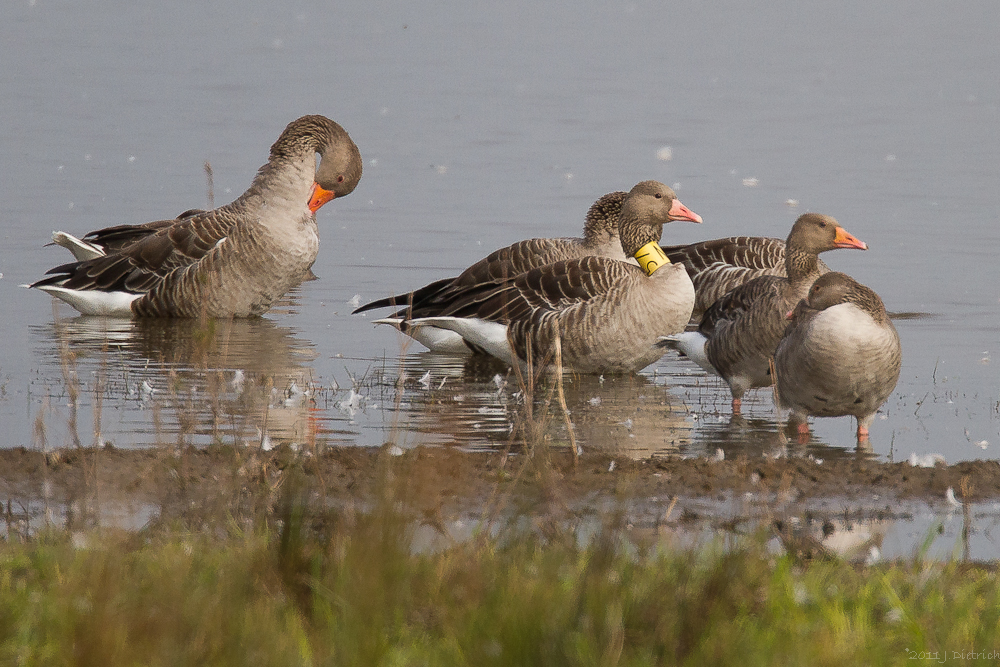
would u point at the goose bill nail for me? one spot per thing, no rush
(319, 197)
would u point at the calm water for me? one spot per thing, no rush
(479, 128)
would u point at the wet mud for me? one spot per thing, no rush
(440, 478)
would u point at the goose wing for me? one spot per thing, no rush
(552, 288)
(498, 266)
(740, 303)
(155, 251)
(114, 239)
(720, 265)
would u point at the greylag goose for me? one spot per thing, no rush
(233, 261)
(719, 265)
(738, 333)
(600, 237)
(839, 356)
(605, 315)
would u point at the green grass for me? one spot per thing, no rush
(347, 589)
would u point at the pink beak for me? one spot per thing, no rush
(679, 211)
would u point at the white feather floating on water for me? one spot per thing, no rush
(425, 380)
(239, 377)
(926, 461)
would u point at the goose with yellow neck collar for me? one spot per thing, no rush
(600, 237)
(607, 314)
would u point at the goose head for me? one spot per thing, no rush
(835, 288)
(648, 206)
(339, 168)
(829, 290)
(815, 233)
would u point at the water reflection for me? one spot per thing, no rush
(759, 430)
(175, 381)
(443, 399)
(476, 402)
(253, 382)
(256, 383)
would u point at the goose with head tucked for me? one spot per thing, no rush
(600, 238)
(840, 355)
(232, 261)
(738, 333)
(605, 315)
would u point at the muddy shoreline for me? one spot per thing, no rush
(448, 478)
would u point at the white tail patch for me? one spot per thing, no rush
(81, 250)
(431, 337)
(692, 345)
(94, 302)
(486, 335)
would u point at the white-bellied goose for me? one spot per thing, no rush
(233, 261)
(600, 238)
(720, 265)
(839, 356)
(607, 314)
(738, 333)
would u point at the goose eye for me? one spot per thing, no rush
(658, 195)
(340, 179)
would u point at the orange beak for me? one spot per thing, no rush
(679, 211)
(846, 240)
(319, 197)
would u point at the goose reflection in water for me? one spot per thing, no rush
(159, 381)
(478, 403)
(253, 382)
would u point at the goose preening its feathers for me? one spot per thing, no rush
(607, 314)
(600, 238)
(233, 261)
(739, 332)
(839, 356)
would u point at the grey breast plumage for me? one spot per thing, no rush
(841, 354)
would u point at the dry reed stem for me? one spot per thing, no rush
(966, 488)
(67, 361)
(562, 400)
(211, 184)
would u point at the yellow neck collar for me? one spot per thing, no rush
(651, 257)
